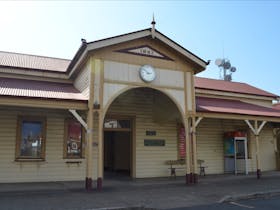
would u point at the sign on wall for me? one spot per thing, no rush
(145, 50)
(154, 142)
(151, 133)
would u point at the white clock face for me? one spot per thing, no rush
(147, 73)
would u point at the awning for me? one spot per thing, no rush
(226, 106)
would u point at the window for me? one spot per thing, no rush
(31, 137)
(73, 140)
(117, 123)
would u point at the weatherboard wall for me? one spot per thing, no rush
(141, 104)
(54, 168)
(150, 161)
(210, 145)
(81, 82)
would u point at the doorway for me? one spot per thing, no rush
(241, 155)
(236, 155)
(117, 147)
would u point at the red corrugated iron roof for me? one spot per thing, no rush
(29, 62)
(39, 89)
(234, 87)
(18, 60)
(216, 105)
(276, 106)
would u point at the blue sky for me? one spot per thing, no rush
(246, 32)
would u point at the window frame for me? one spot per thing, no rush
(65, 155)
(20, 120)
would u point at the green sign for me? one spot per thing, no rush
(154, 142)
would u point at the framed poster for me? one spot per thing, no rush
(182, 141)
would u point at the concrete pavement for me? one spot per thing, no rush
(160, 193)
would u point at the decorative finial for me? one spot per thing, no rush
(153, 27)
(83, 41)
(153, 22)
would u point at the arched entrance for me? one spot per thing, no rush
(140, 134)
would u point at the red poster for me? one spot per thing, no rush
(74, 141)
(182, 142)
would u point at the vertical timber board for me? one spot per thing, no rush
(97, 104)
(97, 77)
(100, 121)
(193, 94)
(257, 146)
(187, 96)
(90, 121)
(189, 92)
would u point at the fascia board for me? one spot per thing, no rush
(180, 50)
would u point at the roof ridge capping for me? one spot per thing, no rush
(229, 86)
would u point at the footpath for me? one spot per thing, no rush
(160, 193)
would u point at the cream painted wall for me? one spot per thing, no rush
(210, 145)
(150, 160)
(81, 82)
(121, 72)
(54, 168)
(111, 91)
(189, 88)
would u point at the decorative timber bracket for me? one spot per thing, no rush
(79, 118)
(256, 130)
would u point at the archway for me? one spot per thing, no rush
(140, 133)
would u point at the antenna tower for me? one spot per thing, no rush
(226, 69)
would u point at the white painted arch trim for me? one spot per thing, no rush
(118, 89)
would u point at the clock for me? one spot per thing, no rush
(147, 73)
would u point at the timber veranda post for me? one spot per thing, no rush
(187, 153)
(194, 150)
(94, 64)
(89, 152)
(257, 151)
(100, 150)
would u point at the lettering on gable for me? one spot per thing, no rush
(145, 50)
